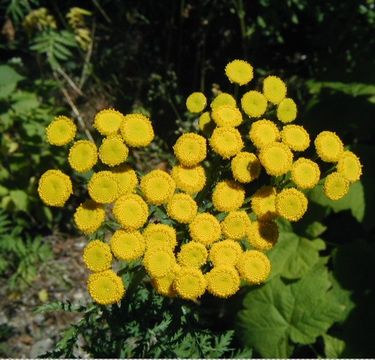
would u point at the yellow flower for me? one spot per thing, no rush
(160, 236)
(61, 131)
(235, 225)
(287, 110)
(328, 146)
(305, 173)
(254, 103)
(226, 141)
(276, 158)
(274, 89)
(55, 188)
(137, 131)
(158, 261)
(39, 20)
(189, 179)
(108, 121)
(89, 216)
(105, 287)
(164, 284)
(127, 245)
(103, 187)
(223, 281)
(157, 187)
(245, 167)
(263, 203)
(182, 208)
(205, 228)
(113, 151)
(130, 211)
(336, 186)
(190, 149)
(97, 256)
(349, 166)
(192, 254)
(263, 235)
(228, 196)
(126, 179)
(263, 132)
(225, 252)
(196, 102)
(239, 72)
(223, 99)
(83, 155)
(291, 204)
(226, 115)
(190, 283)
(205, 124)
(296, 137)
(254, 266)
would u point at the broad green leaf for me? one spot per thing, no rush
(6, 121)
(23, 102)
(315, 229)
(8, 80)
(3, 190)
(352, 89)
(20, 199)
(354, 200)
(279, 314)
(293, 255)
(333, 347)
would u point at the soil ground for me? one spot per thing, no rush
(26, 334)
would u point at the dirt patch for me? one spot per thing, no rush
(24, 333)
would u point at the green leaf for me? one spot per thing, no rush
(352, 89)
(9, 79)
(315, 229)
(333, 347)
(3, 190)
(279, 314)
(354, 200)
(20, 199)
(293, 255)
(24, 102)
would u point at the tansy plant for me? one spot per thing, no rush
(247, 166)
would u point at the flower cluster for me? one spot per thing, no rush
(195, 248)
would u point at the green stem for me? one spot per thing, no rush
(236, 90)
(137, 279)
(241, 17)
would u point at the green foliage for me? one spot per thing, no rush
(294, 255)
(25, 153)
(20, 255)
(281, 313)
(17, 9)
(170, 329)
(56, 46)
(354, 200)
(24, 113)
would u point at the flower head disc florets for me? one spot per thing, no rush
(225, 252)
(97, 256)
(55, 188)
(61, 131)
(239, 72)
(108, 121)
(136, 130)
(223, 281)
(190, 149)
(83, 155)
